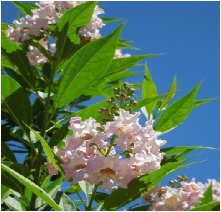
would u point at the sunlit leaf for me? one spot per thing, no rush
(202, 101)
(84, 68)
(25, 8)
(49, 153)
(122, 64)
(149, 89)
(67, 28)
(170, 94)
(177, 112)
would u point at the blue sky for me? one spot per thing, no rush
(189, 35)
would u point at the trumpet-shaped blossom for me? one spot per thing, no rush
(110, 155)
(183, 198)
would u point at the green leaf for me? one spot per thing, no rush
(13, 204)
(17, 57)
(5, 63)
(100, 197)
(4, 26)
(12, 94)
(5, 191)
(122, 45)
(59, 135)
(174, 154)
(177, 112)
(24, 7)
(148, 90)
(12, 182)
(91, 111)
(141, 103)
(6, 151)
(54, 184)
(139, 208)
(84, 68)
(33, 187)
(108, 20)
(178, 149)
(170, 94)
(67, 28)
(86, 188)
(64, 202)
(122, 64)
(119, 76)
(215, 206)
(207, 198)
(202, 101)
(139, 186)
(49, 153)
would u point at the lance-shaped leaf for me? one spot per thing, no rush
(141, 103)
(13, 204)
(24, 7)
(13, 183)
(67, 28)
(59, 135)
(16, 102)
(31, 186)
(177, 112)
(122, 64)
(202, 101)
(149, 90)
(17, 57)
(49, 153)
(206, 202)
(7, 152)
(64, 202)
(84, 68)
(170, 94)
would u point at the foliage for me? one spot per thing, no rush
(39, 100)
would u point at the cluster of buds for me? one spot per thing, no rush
(181, 195)
(177, 183)
(122, 98)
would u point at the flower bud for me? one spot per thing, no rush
(122, 97)
(104, 111)
(114, 109)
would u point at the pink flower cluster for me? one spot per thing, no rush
(112, 154)
(184, 198)
(37, 25)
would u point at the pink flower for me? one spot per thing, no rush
(125, 127)
(101, 169)
(91, 30)
(52, 171)
(183, 198)
(35, 56)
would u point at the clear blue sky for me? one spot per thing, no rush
(189, 35)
